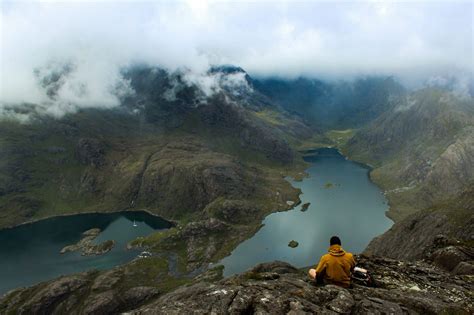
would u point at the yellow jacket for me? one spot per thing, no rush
(336, 266)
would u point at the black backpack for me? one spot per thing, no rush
(362, 276)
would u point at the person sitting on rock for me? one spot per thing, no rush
(335, 267)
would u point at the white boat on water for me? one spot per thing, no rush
(144, 254)
(135, 223)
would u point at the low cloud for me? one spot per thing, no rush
(212, 83)
(89, 43)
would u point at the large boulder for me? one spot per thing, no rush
(464, 268)
(279, 288)
(450, 257)
(49, 299)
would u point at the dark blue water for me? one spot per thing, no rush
(353, 209)
(30, 253)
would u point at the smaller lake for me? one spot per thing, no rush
(344, 202)
(30, 253)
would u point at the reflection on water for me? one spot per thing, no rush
(30, 253)
(352, 208)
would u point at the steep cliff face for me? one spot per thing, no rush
(422, 149)
(423, 153)
(171, 147)
(216, 164)
(453, 170)
(443, 234)
(270, 288)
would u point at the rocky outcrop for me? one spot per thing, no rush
(268, 288)
(90, 151)
(63, 296)
(411, 238)
(305, 206)
(86, 247)
(293, 244)
(199, 242)
(279, 288)
(109, 302)
(53, 298)
(184, 179)
(422, 149)
(252, 133)
(454, 258)
(442, 233)
(453, 170)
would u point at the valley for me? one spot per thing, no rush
(218, 166)
(236, 157)
(353, 206)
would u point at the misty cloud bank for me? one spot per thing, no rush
(62, 56)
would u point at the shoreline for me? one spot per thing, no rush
(367, 166)
(175, 223)
(299, 202)
(172, 222)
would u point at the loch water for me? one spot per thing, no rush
(344, 202)
(30, 253)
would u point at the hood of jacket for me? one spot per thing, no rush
(336, 250)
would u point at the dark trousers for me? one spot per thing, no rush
(320, 278)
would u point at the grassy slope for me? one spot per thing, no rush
(340, 137)
(264, 198)
(128, 143)
(54, 184)
(53, 178)
(405, 145)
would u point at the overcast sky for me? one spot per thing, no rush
(412, 40)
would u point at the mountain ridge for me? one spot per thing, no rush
(421, 149)
(213, 159)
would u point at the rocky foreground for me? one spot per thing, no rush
(279, 288)
(269, 288)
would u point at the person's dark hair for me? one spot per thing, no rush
(335, 240)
